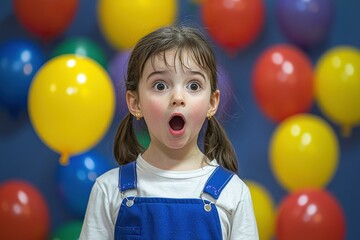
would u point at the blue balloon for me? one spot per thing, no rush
(76, 179)
(306, 23)
(19, 62)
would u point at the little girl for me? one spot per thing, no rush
(173, 189)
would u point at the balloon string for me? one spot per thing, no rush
(346, 131)
(64, 159)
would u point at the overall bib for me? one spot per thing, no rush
(169, 218)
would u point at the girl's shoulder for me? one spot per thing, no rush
(109, 178)
(237, 187)
(234, 194)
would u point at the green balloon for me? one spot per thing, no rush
(143, 138)
(81, 46)
(68, 231)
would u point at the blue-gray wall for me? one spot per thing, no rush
(24, 156)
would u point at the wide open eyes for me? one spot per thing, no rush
(193, 86)
(160, 86)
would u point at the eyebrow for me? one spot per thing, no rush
(154, 73)
(162, 72)
(198, 73)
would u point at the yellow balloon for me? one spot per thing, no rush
(124, 22)
(303, 152)
(71, 104)
(264, 209)
(337, 80)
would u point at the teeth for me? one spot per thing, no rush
(176, 123)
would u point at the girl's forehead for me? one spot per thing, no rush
(174, 59)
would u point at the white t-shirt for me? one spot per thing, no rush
(234, 204)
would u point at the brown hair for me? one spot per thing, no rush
(216, 143)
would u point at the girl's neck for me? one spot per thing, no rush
(174, 159)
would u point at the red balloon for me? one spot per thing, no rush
(45, 19)
(24, 213)
(282, 82)
(311, 214)
(234, 24)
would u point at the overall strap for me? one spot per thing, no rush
(127, 177)
(217, 182)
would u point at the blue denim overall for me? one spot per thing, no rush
(169, 218)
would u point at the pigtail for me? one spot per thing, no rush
(126, 146)
(218, 146)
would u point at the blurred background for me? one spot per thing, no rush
(289, 74)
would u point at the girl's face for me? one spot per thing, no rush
(174, 100)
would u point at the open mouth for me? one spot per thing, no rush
(177, 123)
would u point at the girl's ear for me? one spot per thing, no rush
(214, 102)
(132, 102)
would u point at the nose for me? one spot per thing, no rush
(178, 99)
(177, 102)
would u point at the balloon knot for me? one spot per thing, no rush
(346, 131)
(64, 159)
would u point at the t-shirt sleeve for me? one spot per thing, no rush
(97, 222)
(243, 220)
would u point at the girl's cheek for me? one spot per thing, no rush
(154, 107)
(198, 113)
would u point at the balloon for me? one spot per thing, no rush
(71, 104)
(305, 22)
(304, 152)
(76, 179)
(24, 213)
(81, 46)
(226, 92)
(233, 24)
(143, 138)
(68, 231)
(264, 209)
(20, 60)
(45, 19)
(124, 22)
(118, 71)
(311, 214)
(282, 82)
(337, 81)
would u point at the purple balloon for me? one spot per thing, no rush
(117, 69)
(305, 22)
(226, 93)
